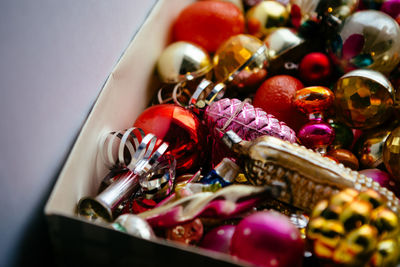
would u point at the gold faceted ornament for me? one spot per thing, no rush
(241, 61)
(391, 154)
(265, 16)
(363, 98)
(355, 228)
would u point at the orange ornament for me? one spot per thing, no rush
(208, 23)
(276, 95)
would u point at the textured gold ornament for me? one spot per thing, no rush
(308, 176)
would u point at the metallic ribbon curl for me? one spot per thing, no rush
(145, 165)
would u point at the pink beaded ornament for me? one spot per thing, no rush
(245, 120)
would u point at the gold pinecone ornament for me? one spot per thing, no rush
(355, 229)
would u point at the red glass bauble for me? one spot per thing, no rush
(275, 96)
(180, 128)
(315, 68)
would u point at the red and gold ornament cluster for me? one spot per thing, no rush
(323, 97)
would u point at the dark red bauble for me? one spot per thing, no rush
(180, 128)
(315, 68)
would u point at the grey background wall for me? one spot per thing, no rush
(54, 58)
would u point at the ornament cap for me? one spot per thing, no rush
(227, 169)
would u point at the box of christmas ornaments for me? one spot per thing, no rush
(241, 133)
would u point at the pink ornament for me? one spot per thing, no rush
(316, 134)
(245, 120)
(219, 238)
(382, 178)
(391, 7)
(268, 239)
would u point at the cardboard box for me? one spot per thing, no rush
(124, 96)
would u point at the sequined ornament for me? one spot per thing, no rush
(180, 128)
(363, 98)
(345, 157)
(241, 61)
(355, 229)
(246, 120)
(308, 176)
(264, 16)
(303, 10)
(391, 154)
(367, 39)
(369, 148)
(268, 239)
(188, 233)
(343, 135)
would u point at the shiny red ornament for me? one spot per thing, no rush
(268, 239)
(315, 68)
(180, 128)
(208, 24)
(142, 205)
(275, 96)
(188, 233)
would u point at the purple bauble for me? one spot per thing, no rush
(316, 134)
(268, 239)
(219, 238)
(391, 7)
(382, 178)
